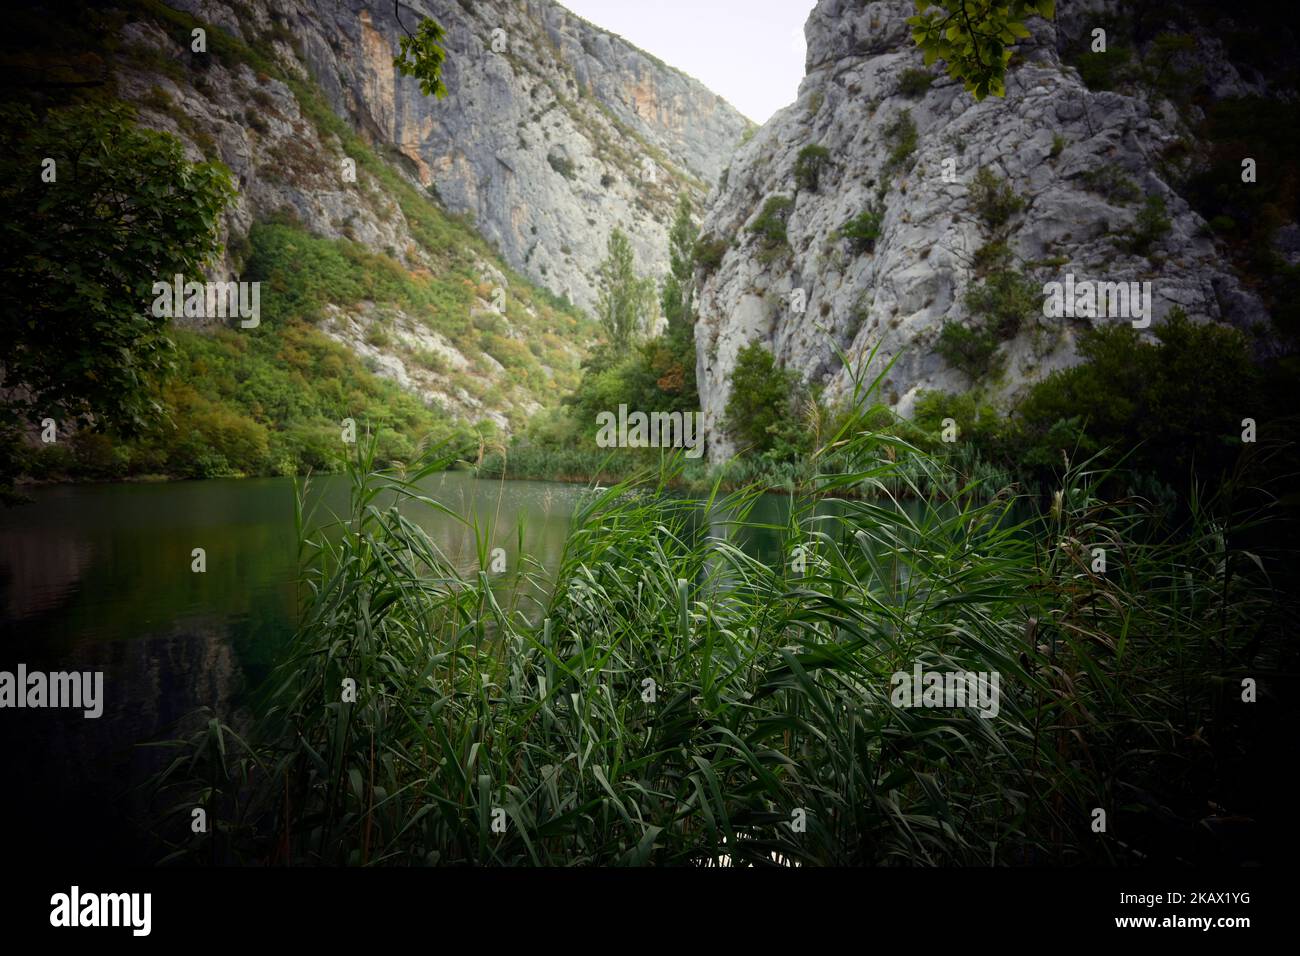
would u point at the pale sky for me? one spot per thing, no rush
(750, 52)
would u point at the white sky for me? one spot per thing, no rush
(750, 52)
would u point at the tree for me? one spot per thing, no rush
(1175, 404)
(625, 305)
(975, 37)
(762, 410)
(421, 54)
(678, 286)
(674, 360)
(809, 164)
(124, 210)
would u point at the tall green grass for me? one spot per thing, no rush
(770, 737)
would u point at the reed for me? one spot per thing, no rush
(664, 697)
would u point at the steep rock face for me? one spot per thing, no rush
(546, 144)
(1051, 139)
(552, 133)
(283, 163)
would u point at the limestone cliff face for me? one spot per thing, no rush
(552, 134)
(1051, 139)
(553, 131)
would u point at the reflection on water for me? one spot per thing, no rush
(98, 578)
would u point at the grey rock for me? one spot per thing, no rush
(900, 295)
(560, 94)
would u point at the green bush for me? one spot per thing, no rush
(709, 252)
(301, 273)
(763, 408)
(913, 83)
(1107, 181)
(1105, 71)
(98, 457)
(1109, 70)
(770, 226)
(993, 256)
(863, 230)
(1265, 130)
(1176, 403)
(47, 462)
(561, 165)
(809, 165)
(971, 350)
(1003, 301)
(993, 200)
(1221, 225)
(656, 376)
(977, 422)
(901, 136)
(1150, 227)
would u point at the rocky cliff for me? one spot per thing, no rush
(881, 238)
(553, 131)
(552, 134)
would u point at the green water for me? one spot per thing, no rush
(99, 578)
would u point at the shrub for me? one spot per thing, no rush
(561, 165)
(218, 441)
(392, 447)
(1150, 227)
(863, 230)
(1104, 71)
(770, 226)
(913, 83)
(709, 252)
(431, 360)
(300, 273)
(1221, 225)
(809, 165)
(509, 352)
(762, 409)
(1003, 301)
(1176, 403)
(993, 200)
(994, 256)
(970, 350)
(1171, 66)
(1265, 130)
(977, 422)
(1107, 181)
(97, 457)
(901, 136)
(1107, 70)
